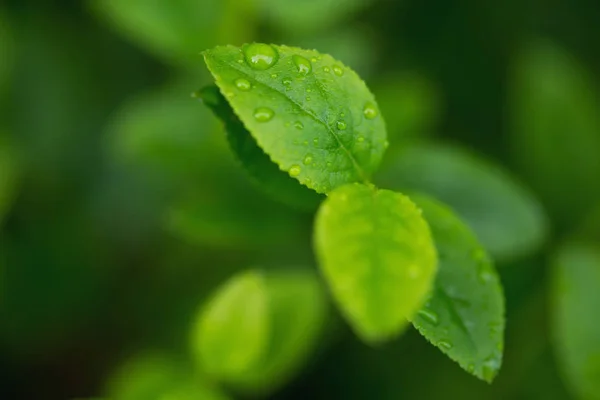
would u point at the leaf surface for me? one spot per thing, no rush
(464, 316)
(313, 116)
(376, 253)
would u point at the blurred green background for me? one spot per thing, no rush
(122, 209)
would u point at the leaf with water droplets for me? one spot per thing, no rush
(378, 257)
(504, 215)
(302, 102)
(274, 181)
(575, 303)
(464, 317)
(232, 331)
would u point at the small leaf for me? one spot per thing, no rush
(297, 309)
(377, 255)
(274, 181)
(232, 331)
(555, 129)
(575, 304)
(464, 317)
(506, 218)
(313, 116)
(150, 376)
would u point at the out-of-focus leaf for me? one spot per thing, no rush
(308, 16)
(353, 45)
(314, 117)
(378, 258)
(411, 105)
(464, 316)
(505, 217)
(8, 175)
(178, 30)
(232, 331)
(155, 376)
(274, 181)
(575, 304)
(297, 309)
(555, 133)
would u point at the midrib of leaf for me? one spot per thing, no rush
(359, 170)
(448, 300)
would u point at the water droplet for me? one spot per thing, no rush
(471, 368)
(304, 66)
(295, 170)
(308, 98)
(370, 111)
(306, 181)
(429, 316)
(308, 159)
(444, 345)
(305, 143)
(229, 94)
(338, 70)
(316, 141)
(386, 144)
(326, 69)
(314, 59)
(243, 84)
(341, 125)
(263, 114)
(287, 82)
(491, 365)
(361, 139)
(196, 95)
(298, 125)
(240, 61)
(260, 56)
(328, 164)
(274, 76)
(308, 90)
(484, 275)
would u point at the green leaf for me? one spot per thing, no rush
(297, 309)
(155, 376)
(7, 47)
(464, 317)
(274, 181)
(310, 114)
(506, 218)
(377, 255)
(8, 176)
(232, 331)
(575, 302)
(177, 30)
(555, 132)
(308, 15)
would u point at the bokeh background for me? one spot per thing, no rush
(122, 209)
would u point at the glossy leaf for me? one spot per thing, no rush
(297, 309)
(464, 317)
(274, 181)
(177, 30)
(555, 133)
(506, 218)
(232, 332)
(376, 253)
(310, 114)
(154, 376)
(575, 303)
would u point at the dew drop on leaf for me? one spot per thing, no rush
(341, 125)
(360, 139)
(298, 125)
(444, 345)
(326, 69)
(429, 316)
(295, 170)
(338, 70)
(260, 56)
(370, 111)
(243, 84)
(308, 159)
(263, 114)
(304, 66)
